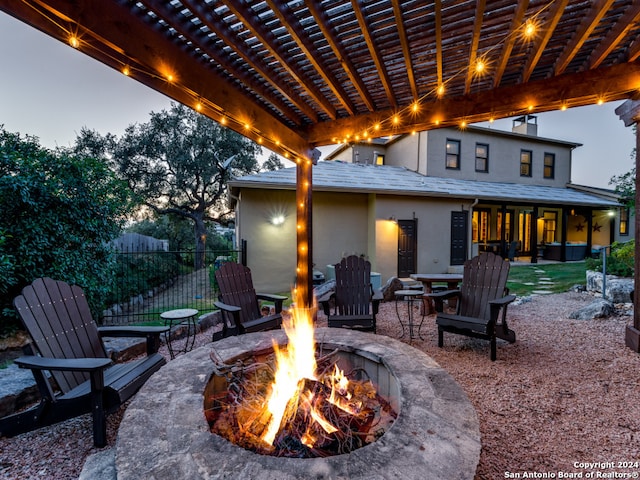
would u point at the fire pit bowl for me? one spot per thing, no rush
(164, 433)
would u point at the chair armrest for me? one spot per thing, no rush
(131, 331)
(63, 364)
(501, 302)
(226, 307)
(152, 334)
(270, 297)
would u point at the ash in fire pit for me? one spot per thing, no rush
(337, 412)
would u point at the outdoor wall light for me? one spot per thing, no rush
(611, 213)
(277, 220)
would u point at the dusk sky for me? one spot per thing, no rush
(51, 91)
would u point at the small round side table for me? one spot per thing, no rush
(409, 297)
(185, 317)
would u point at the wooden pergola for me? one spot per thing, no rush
(296, 75)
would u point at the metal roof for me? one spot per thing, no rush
(337, 176)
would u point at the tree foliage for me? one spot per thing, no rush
(625, 184)
(179, 163)
(58, 210)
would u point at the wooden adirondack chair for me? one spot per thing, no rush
(67, 343)
(355, 302)
(238, 301)
(481, 298)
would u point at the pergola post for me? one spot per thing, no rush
(304, 231)
(629, 113)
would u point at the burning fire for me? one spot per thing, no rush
(293, 364)
(302, 406)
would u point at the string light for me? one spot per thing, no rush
(527, 31)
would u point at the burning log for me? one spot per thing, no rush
(319, 421)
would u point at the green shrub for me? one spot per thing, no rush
(620, 261)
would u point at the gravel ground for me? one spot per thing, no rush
(566, 394)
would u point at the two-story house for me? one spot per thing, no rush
(424, 203)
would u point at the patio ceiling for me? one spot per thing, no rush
(294, 75)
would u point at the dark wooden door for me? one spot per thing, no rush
(407, 242)
(459, 234)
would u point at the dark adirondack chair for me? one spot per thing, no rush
(355, 302)
(481, 298)
(67, 343)
(239, 302)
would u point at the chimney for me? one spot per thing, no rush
(526, 125)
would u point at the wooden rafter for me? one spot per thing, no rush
(213, 22)
(339, 52)
(475, 40)
(553, 17)
(512, 36)
(438, 14)
(402, 34)
(616, 35)
(375, 53)
(297, 33)
(589, 23)
(166, 12)
(257, 29)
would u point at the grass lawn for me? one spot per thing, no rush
(524, 279)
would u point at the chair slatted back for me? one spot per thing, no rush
(484, 279)
(353, 286)
(236, 288)
(59, 321)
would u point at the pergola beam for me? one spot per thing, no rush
(573, 90)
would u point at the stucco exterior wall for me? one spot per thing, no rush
(433, 230)
(409, 152)
(271, 249)
(343, 224)
(504, 158)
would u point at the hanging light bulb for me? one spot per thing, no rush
(74, 41)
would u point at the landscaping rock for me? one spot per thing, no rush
(599, 309)
(618, 288)
(389, 289)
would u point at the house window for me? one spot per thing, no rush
(624, 222)
(378, 158)
(549, 165)
(482, 157)
(549, 225)
(508, 220)
(525, 163)
(453, 154)
(480, 222)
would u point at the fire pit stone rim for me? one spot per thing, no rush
(436, 431)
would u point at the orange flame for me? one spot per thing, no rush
(293, 364)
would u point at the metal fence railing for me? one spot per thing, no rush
(149, 283)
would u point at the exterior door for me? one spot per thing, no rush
(459, 234)
(407, 242)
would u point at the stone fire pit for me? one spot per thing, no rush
(164, 434)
